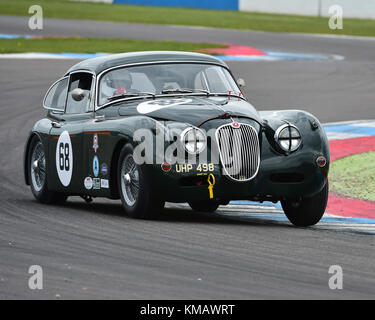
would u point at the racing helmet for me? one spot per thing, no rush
(114, 81)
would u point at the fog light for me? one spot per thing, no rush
(321, 161)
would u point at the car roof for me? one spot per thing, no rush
(99, 64)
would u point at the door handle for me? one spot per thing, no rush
(56, 124)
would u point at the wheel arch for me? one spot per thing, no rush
(115, 194)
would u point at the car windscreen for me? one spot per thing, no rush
(165, 78)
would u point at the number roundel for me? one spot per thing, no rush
(64, 158)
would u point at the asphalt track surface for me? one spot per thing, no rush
(93, 251)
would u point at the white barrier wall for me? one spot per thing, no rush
(308, 7)
(364, 9)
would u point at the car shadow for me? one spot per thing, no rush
(171, 214)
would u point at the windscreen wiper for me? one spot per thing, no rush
(130, 95)
(169, 91)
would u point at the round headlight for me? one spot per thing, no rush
(288, 137)
(193, 140)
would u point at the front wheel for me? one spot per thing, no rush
(136, 195)
(38, 175)
(307, 211)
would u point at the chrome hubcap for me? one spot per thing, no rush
(130, 180)
(127, 179)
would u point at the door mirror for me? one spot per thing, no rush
(78, 94)
(241, 83)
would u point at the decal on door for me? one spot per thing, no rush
(96, 182)
(104, 169)
(64, 158)
(95, 166)
(104, 183)
(151, 106)
(95, 142)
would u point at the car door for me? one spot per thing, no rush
(66, 151)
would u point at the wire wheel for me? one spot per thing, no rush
(38, 167)
(130, 180)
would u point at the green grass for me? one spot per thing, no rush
(354, 176)
(94, 45)
(190, 17)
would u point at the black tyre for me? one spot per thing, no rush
(204, 206)
(308, 211)
(136, 195)
(38, 175)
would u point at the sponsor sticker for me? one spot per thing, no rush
(64, 158)
(95, 166)
(96, 183)
(88, 183)
(95, 142)
(104, 183)
(104, 169)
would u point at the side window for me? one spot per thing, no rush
(81, 80)
(56, 96)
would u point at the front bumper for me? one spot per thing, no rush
(279, 176)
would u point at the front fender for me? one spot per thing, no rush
(277, 166)
(312, 132)
(40, 129)
(26, 157)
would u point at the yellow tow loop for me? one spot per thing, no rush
(211, 183)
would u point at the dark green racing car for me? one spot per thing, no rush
(151, 127)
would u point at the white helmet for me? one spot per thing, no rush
(113, 81)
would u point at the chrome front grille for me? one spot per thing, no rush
(239, 151)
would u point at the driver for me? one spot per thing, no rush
(117, 82)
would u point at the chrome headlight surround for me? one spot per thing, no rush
(288, 137)
(193, 140)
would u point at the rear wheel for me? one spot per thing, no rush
(136, 195)
(38, 175)
(307, 211)
(204, 206)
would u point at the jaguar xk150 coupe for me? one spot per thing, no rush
(151, 127)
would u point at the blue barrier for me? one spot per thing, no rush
(202, 4)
